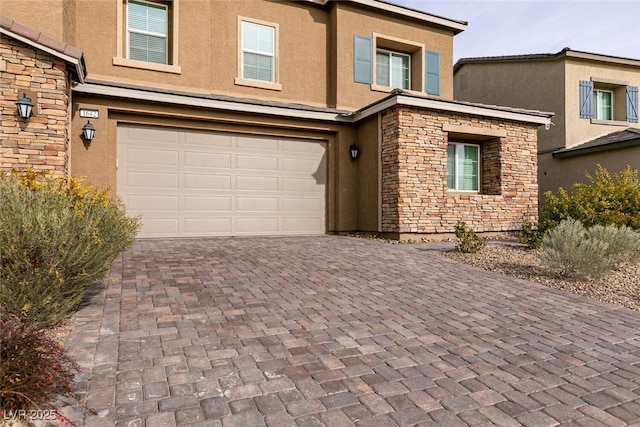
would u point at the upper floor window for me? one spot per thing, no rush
(608, 101)
(604, 104)
(463, 167)
(147, 33)
(393, 69)
(387, 62)
(258, 54)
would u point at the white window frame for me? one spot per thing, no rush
(241, 79)
(122, 45)
(596, 91)
(456, 176)
(390, 54)
(164, 35)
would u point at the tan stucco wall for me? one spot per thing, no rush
(530, 85)
(350, 21)
(315, 46)
(553, 86)
(368, 175)
(579, 130)
(573, 169)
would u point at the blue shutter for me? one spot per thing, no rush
(432, 72)
(362, 59)
(632, 104)
(586, 99)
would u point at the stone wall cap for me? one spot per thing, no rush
(73, 56)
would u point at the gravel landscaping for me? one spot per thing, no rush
(621, 286)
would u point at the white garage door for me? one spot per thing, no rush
(192, 183)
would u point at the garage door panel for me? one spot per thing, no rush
(208, 160)
(302, 205)
(253, 183)
(257, 143)
(258, 163)
(198, 183)
(208, 139)
(144, 133)
(301, 165)
(140, 156)
(207, 204)
(207, 182)
(152, 180)
(146, 203)
(301, 184)
(263, 225)
(257, 204)
(207, 226)
(160, 227)
(302, 225)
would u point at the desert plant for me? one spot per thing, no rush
(577, 251)
(603, 200)
(468, 240)
(57, 237)
(530, 235)
(34, 370)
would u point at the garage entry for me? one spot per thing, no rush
(196, 183)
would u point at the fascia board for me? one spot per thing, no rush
(52, 52)
(128, 93)
(452, 107)
(388, 7)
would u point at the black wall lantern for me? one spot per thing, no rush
(25, 107)
(354, 151)
(88, 131)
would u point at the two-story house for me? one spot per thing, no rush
(225, 118)
(594, 98)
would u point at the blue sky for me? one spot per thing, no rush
(514, 27)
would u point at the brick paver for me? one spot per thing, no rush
(342, 331)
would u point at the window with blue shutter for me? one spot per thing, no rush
(432, 73)
(362, 59)
(586, 99)
(147, 32)
(632, 104)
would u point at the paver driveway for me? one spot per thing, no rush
(340, 331)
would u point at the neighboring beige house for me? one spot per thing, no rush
(228, 118)
(594, 98)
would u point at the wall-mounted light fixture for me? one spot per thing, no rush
(25, 107)
(88, 131)
(354, 151)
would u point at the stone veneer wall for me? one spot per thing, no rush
(42, 142)
(415, 198)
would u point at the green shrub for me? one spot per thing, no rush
(468, 240)
(34, 369)
(577, 251)
(530, 235)
(57, 237)
(604, 200)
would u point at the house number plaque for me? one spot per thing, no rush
(89, 114)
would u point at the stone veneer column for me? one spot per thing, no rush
(415, 198)
(42, 143)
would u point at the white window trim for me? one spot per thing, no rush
(455, 175)
(391, 53)
(595, 100)
(172, 39)
(240, 80)
(379, 41)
